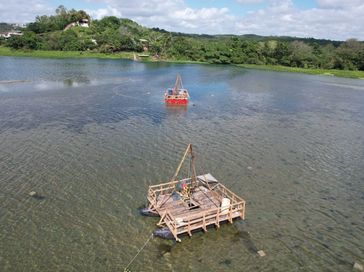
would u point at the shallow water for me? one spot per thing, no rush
(90, 136)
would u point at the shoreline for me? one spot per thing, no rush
(5, 51)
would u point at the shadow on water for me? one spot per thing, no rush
(245, 237)
(164, 249)
(226, 262)
(71, 82)
(176, 109)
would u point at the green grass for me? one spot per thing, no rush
(5, 51)
(175, 61)
(325, 72)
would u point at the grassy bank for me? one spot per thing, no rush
(325, 72)
(5, 51)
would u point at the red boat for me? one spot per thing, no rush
(177, 95)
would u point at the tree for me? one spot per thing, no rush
(349, 55)
(179, 47)
(300, 54)
(268, 51)
(282, 53)
(61, 11)
(69, 41)
(109, 22)
(326, 57)
(28, 40)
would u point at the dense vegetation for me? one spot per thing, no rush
(114, 35)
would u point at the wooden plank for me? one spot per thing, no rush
(179, 218)
(207, 178)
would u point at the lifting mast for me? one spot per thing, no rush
(177, 85)
(190, 151)
(192, 165)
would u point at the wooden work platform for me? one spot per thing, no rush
(207, 202)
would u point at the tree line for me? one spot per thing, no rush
(112, 34)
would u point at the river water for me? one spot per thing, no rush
(91, 135)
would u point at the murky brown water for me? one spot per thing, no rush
(91, 135)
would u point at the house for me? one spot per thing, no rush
(7, 35)
(83, 23)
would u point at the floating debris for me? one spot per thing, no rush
(226, 262)
(36, 195)
(32, 193)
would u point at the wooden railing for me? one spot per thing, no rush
(203, 219)
(196, 219)
(163, 189)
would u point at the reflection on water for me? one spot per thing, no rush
(69, 82)
(176, 109)
(89, 137)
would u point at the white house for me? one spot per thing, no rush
(82, 23)
(7, 35)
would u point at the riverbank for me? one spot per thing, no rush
(324, 72)
(5, 51)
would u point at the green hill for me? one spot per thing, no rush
(113, 35)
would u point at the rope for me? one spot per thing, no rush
(140, 250)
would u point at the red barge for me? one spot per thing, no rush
(177, 95)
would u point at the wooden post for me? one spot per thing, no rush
(161, 220)
(231, 214)
(243, 210)
(175, 236)
(188, 228)
(189, 149)
(193, 182)
(204, 222)
(218, 218)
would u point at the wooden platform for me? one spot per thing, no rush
(208, 203)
